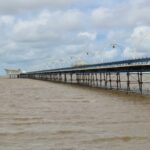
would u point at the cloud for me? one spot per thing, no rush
(138, 43)
(48, 26)
(16, 6)
(39, 34)
(46, 35)
(87, 35)
(122, 15)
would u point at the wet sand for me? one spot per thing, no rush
(38, 115)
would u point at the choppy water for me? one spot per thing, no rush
(37, 115)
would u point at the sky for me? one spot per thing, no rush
(47, 34)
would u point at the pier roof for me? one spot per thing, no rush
(132, 65)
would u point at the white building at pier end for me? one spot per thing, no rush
(13, 73)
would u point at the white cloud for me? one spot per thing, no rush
(103, 17)
(128, 15)
(7, 20)
(87, 35)
(139, 43)
(48, 26)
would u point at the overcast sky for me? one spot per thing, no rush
(43, 34)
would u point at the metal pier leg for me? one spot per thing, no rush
(105, 79)
(110, 80)
(92, 79)
(88, 79)
(100, 79)
(50, 77)
(87, 76)
(79, 75)
(96, 79)
(71, 77)
(77, 80)
(128, 81)
(80, 78)
(83, 77)
(117, 80)
(54, 76)
(65, 77)
(140, 82)
(59, 77)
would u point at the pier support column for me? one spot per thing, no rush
(83, 78)
(118, 81)
(110, 80)
(77, 80)
(100, 79)
(140, 82)
(96, 79)
(71, 77)
(65, 77)
(50, 77)
(60, 77)
(92, 79)
(88, 79)
(105, 79)
(128, 81)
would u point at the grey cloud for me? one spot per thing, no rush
(15, 6)
(48, 26)
(126, 15)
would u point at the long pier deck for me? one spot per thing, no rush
(128, 75)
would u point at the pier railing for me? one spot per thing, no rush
(128, 75)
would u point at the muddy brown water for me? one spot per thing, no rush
(38, 115)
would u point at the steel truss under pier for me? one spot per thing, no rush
(129, 75)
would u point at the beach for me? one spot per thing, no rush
(40, 115)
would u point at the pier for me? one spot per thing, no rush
(128, 75)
